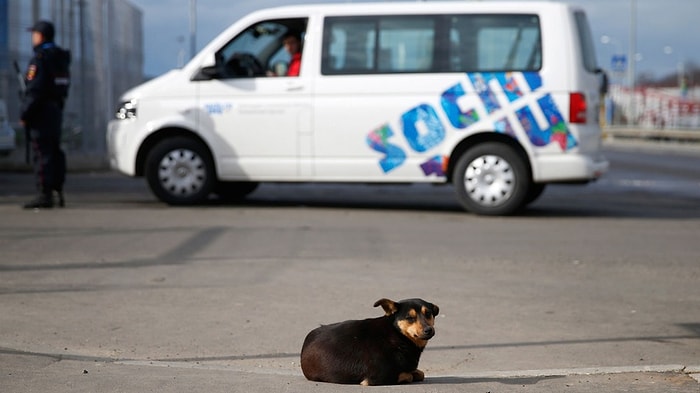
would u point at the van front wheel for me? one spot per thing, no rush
(180, 171)
(491, 179)
(234, 191)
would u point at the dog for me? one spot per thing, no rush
(374, 351)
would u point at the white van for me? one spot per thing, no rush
(496, 98)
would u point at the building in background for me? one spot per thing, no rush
(105, 38)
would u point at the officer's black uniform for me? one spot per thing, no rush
(47, 81)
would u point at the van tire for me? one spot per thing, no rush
(491, 179)
(536, 189)
(234, 191)
(180, 171)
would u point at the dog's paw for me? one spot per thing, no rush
(405, 378)
(417, 375)
(414, 376)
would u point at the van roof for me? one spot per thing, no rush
(397, 8)
(405, 7)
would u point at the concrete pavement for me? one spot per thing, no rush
(218, 299)
(39, 373)
(119, 293)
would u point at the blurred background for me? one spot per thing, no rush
(648, 49)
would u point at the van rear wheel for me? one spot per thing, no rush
(180, 171)
(491, 179)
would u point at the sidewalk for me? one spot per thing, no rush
(43, 374)
(618, 141)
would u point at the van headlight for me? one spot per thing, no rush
(126, 110)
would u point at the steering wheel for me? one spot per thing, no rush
(249, 64)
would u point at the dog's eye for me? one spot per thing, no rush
(428, 314)
(411, 319)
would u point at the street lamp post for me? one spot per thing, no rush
(193, 28)
(679, 69)
(632, 56)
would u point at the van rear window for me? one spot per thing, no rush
(431, 43)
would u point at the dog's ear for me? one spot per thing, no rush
(389, 306)
(436, 309)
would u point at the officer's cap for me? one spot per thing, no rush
(45, 28)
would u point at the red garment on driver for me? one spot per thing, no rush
(294, 65)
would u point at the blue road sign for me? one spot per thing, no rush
(618, 63)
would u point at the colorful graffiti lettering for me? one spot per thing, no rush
(541, 123)
(533, 79)
(503, 126)
(454, 114)
(433, 132)
(378, 140)
(510, 86)
(482, 88)
(537, 135)
(435, 166)
(558, 130)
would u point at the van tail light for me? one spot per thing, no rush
(577, 108)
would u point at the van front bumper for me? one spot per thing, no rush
(122, 155)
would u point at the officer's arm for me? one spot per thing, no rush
(38, 80)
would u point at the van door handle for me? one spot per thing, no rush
(295, 86)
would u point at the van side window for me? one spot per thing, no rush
(387, 44)
(258, 50)
(495, 43)
(431, 43)
(349, 47)
(584, 35)
(406, 44)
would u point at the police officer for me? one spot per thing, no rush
(47, 81)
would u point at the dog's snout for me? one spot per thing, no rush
(428, 331)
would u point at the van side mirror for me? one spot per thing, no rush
(206, 73)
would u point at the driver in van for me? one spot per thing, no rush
(292, 44)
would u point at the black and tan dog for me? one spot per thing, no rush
(375, 351)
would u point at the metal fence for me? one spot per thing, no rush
(653, 108)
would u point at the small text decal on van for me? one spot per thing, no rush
(501, 98)
(218, 108)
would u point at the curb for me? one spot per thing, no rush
(691, 371)
(560, 372)
(654, 133)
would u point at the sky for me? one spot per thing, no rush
(667, 31)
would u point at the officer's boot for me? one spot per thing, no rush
(43, 200)
(61, 200)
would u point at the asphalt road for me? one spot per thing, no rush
(593, 288)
